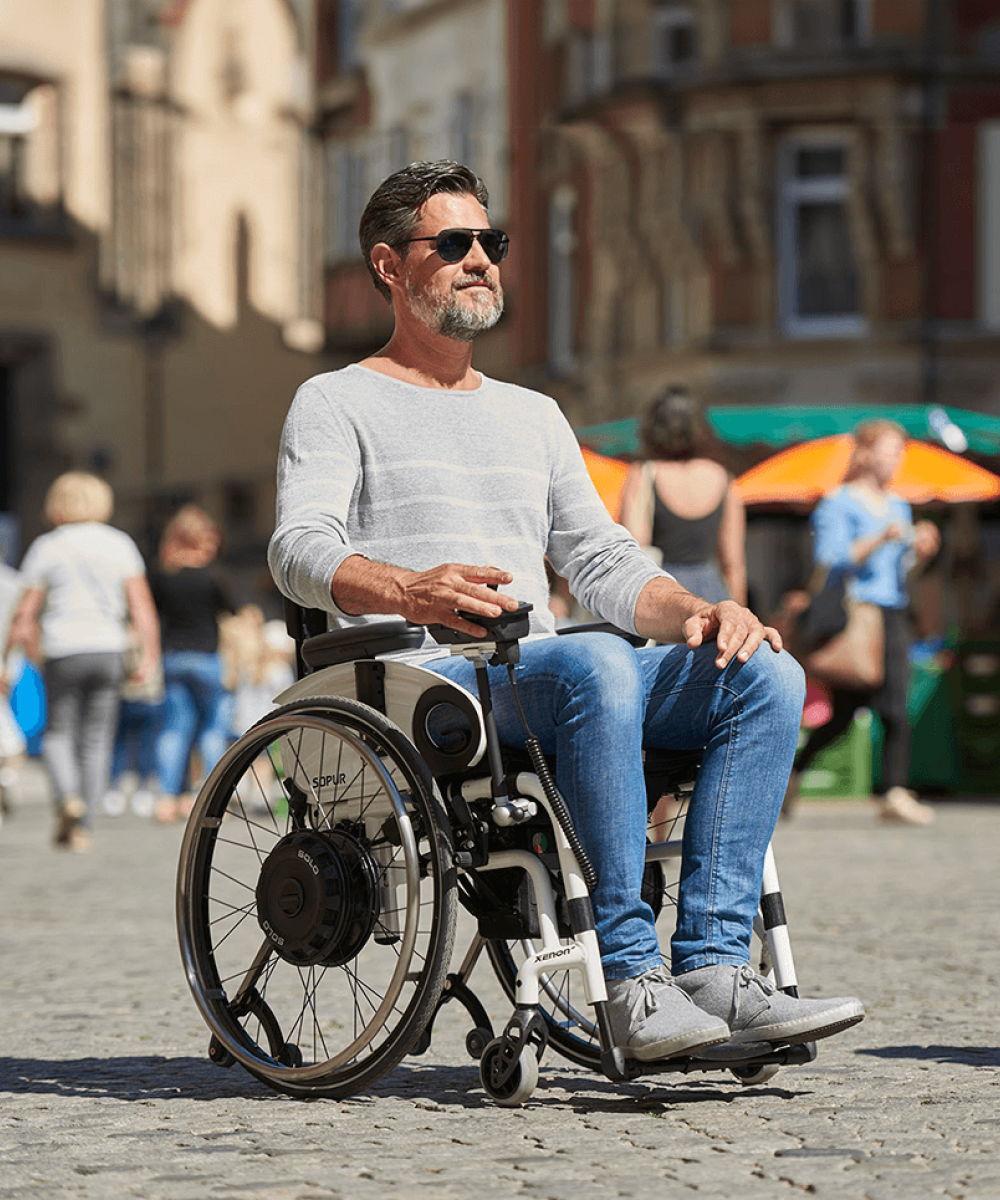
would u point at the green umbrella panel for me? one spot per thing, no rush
(781, 425)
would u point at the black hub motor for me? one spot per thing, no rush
(318, 897)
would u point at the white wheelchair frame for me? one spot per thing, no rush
(482, 801)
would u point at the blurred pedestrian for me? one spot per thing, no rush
(681, 503)
(191, 596)
(865, 534)
(85, 597)
(259, 659)
(13, 744)
(133, 763)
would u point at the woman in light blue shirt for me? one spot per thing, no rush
(866, 532)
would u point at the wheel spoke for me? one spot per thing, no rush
(334, 932)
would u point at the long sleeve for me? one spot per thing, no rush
(417, 477)
(319, 472)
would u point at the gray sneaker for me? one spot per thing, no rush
(757, 1012)
(652, 1018)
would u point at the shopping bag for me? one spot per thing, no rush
(854, 659)
(825, 617)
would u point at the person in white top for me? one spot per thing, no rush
(84, 589)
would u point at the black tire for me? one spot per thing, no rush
(316, 898)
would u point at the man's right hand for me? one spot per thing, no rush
(434, 597)
(424, 597)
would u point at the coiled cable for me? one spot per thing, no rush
(538, 761)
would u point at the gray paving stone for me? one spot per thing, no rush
(105, 1090)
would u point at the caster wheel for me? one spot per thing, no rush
(518, 1086)
(751, 1076)
(218, 1054)
(476, 1041)
(291, 1055)
(423, 1043)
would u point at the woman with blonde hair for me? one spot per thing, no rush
(190, 596)
(85, 584)
(865, 532)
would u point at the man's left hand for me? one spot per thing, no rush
(737, 632)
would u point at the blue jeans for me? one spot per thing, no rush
(195, 713)
(593, 701)
(135, 743)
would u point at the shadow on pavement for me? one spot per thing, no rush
(155, 1077)
(969, 1056)
(136, 1077)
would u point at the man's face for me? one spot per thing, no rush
(457, 300)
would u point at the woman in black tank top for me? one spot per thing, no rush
(705, 552)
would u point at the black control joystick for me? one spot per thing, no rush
(504, 631)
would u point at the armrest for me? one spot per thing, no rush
(634, 639)
(365, 641)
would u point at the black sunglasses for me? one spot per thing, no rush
(454, 244)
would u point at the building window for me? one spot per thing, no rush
(462, 133)
(589, 66)
(346, 186)
(674, 38)
(824, 24)
(819, 285)
(988, 224)
(15, 124)
(30, 175)
(349, 18)
(399, 148)
(562, 287)
(672, 311)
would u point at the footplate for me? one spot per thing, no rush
(730, 1056)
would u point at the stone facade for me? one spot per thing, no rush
(159, 255)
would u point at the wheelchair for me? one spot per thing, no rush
(328, 852)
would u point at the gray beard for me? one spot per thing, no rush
(453, 320)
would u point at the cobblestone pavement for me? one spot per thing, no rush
(105, 1089)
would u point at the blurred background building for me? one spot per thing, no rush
(775, 200)
(159, 252)
(792, 206)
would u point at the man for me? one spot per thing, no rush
(398, 473)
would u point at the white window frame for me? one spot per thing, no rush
(783, 23)
(561, 349)
(463, 129)
(589, 65)
(668, 17)
(791, 192)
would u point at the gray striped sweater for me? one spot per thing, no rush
(418, 476)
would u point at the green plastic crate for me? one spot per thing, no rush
(844, 768)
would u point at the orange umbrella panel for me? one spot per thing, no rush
(804, 473)
(608, 476)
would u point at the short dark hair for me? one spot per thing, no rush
(674, 428)
(390, 215)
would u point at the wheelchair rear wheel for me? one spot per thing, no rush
(316, 899)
